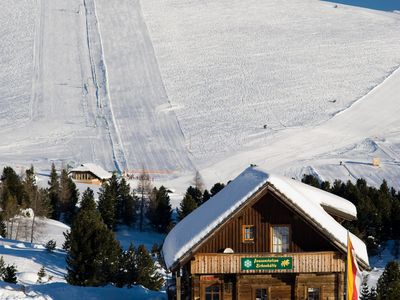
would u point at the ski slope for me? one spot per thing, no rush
(70, 111)
(372, 118)
(148, 128)
(241, 65)
(62, 119)
(174, 86)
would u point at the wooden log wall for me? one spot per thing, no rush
(307, 262)
(262, 213)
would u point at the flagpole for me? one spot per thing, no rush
(346, 275)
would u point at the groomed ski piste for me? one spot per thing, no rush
(175, 86)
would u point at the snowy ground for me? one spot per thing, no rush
(175, 86)
(367, 129)
(63, 291)
(240, 65)
(29, 258)
(179, 85)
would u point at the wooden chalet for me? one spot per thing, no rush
(263, 237)
(89, 173)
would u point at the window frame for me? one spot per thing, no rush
(212, 293)
(248, 240)
(267, 291)
(271, 237)
(319, 287)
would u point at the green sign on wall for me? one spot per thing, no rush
(266, 263)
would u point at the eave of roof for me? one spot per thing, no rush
(262, 179)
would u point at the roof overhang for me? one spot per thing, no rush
(305, 201)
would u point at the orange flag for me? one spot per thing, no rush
(353, 272)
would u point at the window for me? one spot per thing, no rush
(248, 233)
(261, 294)
(212, 292)
(313, 294)
(280, 237)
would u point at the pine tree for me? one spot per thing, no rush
(206, 196)
(107, 205)
(186, 206)
(147, 274)
(388, 286)
(68, 195)
(311, 180)
(74, 198)
(2, 267)
(216, 188)
(127, 273)
(365, 293)
(395, 217)
(41, 274)
(12, 184)
(160, 211)
(54, 193)
(94, 252)
(144, 190)
(196, 194)
(373, 294)
(51, 245)
(87, 202)
(67, 243)
(10, 274)
(3, 228)
(127, 203)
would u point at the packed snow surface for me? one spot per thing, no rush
(173, 86)
(240, 65)
(30, 257)
(198, 224)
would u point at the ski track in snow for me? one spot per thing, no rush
(80, 108)
(149, 129)
(100, 81)
(159, 84)
(37, 59)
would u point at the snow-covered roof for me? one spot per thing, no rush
(93, 168)
(305, 199)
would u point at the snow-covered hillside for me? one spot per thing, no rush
(240, 65)
(30, 257)
(174, 86)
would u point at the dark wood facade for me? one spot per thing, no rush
(264, 212)
(317, 265)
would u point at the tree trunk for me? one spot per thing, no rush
(12, 225)
(16, 234)
(33, 227)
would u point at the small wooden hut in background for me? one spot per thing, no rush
(89, 173)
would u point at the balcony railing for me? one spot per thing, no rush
(303, 262)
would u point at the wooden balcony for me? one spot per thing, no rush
(304, 262)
